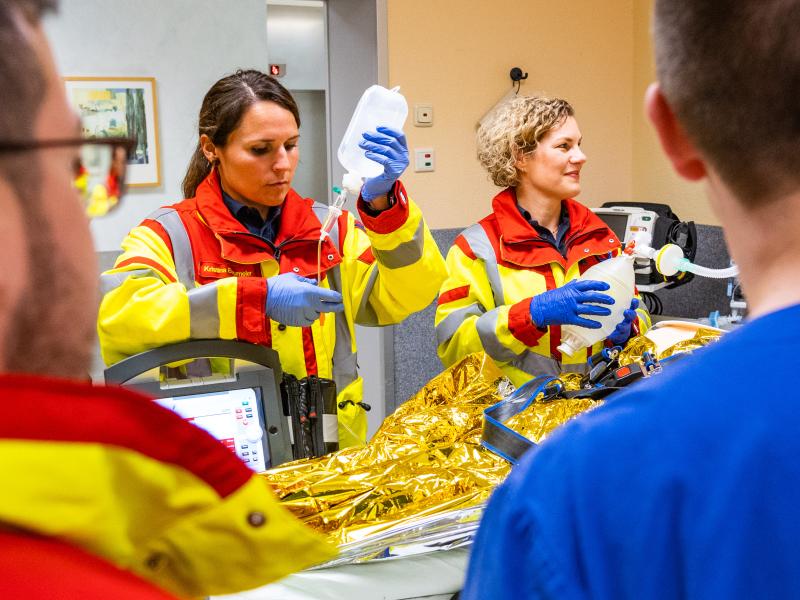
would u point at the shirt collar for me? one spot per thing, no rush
(247, 214)
(563, 223)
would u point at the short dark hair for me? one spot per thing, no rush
(222, 110)
(731, 73)
(22, 82)
(22, 87)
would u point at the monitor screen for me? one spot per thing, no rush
(618, 223)
(234, 417)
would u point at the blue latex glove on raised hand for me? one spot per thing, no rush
(622, 332)
(565, 305)
(297, 301)
(387, 147)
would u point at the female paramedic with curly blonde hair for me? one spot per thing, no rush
(239, 258)
(511, 282)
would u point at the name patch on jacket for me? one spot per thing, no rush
(219, 270)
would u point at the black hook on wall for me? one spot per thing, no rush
(517, 75)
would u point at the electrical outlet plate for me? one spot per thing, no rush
(423, 115)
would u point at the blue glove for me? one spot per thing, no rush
(622, 332)
(565, 305)
(387, 147)
(297, 301)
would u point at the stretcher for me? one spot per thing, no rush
(432, 576)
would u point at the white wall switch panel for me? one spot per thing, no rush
(424, 159)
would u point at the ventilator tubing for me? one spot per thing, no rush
(685, 265)
(669, 260)
(618, 273)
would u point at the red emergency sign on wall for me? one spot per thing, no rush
(277, 70)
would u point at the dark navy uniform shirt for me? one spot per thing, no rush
(266, 229)
(559, 241)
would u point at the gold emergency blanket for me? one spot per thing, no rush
(426, 457)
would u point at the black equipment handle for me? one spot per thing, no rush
(135, 365)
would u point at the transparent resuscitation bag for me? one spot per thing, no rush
(618, 273)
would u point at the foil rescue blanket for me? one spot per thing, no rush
(426, 458)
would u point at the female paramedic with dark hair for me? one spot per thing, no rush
(511, 276)
(238, 258)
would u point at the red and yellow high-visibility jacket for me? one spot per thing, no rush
(193, 271)
(111, 473)
(495, 267)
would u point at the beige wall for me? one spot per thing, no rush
(653, 177)
(456, 55)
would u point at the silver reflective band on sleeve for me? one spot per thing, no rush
(170, 220)
(203, 312)
(536, 364)
(330, 428)
(345, 361)
(404, 254)
(487, 332)
(479, 243)
(450, 324)
(528, 361)
(111, 281)
(366, 315)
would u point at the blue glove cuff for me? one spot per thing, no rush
(373, 188)
(536, 313)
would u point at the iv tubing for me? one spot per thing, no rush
(334, 211)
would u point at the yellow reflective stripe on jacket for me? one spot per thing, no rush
(475, 324)
(143, 308)
(405, 277)
(383, 277)
(478, 319)
(153, 518)
(107, 470)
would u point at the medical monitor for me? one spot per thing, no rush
(629, 222)
(229, 389)
(235, 417)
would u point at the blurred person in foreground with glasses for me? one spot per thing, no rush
(103, 492)
(687, 485)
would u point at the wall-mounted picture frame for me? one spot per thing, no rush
(121, 107)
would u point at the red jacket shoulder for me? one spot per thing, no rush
(38, 568)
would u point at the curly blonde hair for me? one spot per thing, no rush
(514, 129)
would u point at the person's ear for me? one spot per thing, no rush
(519, 162)
(208, 148)
(680, 150)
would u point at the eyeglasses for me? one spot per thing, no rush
(99, 172)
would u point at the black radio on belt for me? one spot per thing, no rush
(310, 406)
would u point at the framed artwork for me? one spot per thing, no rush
(121, 107)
